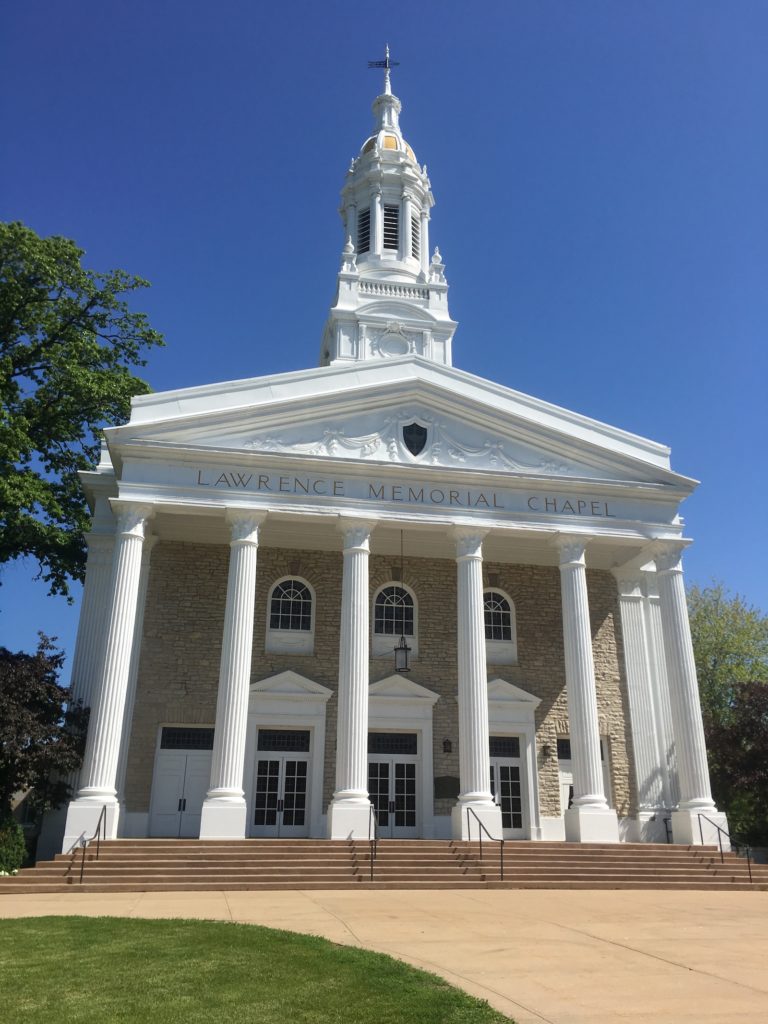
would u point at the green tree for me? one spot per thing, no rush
(67, 342)
(730, 644)
(42, 734)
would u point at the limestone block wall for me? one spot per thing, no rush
(181, 648)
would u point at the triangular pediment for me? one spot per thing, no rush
(502, 692)
(397, 687)
(357, 414)
(290, 684)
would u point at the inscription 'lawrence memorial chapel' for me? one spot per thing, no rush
(421, 495)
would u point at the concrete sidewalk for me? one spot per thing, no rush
(562, 957)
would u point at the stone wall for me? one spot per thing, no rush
(178, 673)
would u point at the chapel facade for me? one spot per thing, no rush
(385, 590)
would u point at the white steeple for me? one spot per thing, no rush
(391, 298)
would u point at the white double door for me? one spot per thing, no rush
(281, 784)
(508, 785)
(182, 779)
(393, 783)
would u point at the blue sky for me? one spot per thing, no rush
(600, 172)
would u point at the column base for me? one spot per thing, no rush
(686, 831)
(489, 814)
(591, 825)
(223, 818)
(350, 819)
(649, 827)
(83, 817)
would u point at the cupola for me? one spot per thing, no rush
(392, 296)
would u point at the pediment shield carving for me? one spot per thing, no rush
(414, 437)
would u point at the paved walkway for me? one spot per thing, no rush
(554, 956)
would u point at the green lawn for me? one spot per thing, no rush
(111, 970)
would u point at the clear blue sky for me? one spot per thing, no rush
(600, 170)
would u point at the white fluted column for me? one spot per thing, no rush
(349, 811)
(224, 810)
(589, 819)
(87, 662)
(664, 728)
(474, 759)
(98, 775)
(130, 699)
(693, 771)
(650, 769)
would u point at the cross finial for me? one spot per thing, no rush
(386, 64)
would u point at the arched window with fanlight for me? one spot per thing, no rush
(394, 615)
(291, 617)
(500, 628)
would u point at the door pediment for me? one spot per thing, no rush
(397, 688)
(290, 685)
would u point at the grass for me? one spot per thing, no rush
(79, 970)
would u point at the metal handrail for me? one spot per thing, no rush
(731, 839)
(85, 841)
(668, 829)
(494, 839)
(373, 840)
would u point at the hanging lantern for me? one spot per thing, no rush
(402, 652)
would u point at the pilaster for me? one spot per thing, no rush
(650, 769)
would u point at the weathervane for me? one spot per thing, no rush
(386, 64)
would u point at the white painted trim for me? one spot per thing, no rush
(290, 641)
(289, 701)
(383, 644)
(502, 652)
(397, 704)
(512, 712)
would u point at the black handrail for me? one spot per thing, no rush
(731, 839)
(85, 842)
(493, 839)
(668, 829)
(373, 840)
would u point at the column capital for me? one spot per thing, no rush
(356, 533)
(668, 556)
(100, 547)
(244, 525)
(629, 581)
(132, 516)
(469, 542)
(572, 549)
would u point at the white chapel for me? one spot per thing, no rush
(384, 589)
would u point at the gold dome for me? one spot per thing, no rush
(388, 141)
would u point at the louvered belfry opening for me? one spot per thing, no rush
(364, 230)
(391, 227)
(415, 237)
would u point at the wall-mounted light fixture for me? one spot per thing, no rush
(546, 751)
(447, 746)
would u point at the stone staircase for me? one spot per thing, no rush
(161, 865)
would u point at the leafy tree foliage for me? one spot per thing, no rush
(42, 736)
(67, 341)
(730, 643)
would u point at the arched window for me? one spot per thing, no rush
(394, 615)
(500, 631)
(290, 617)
